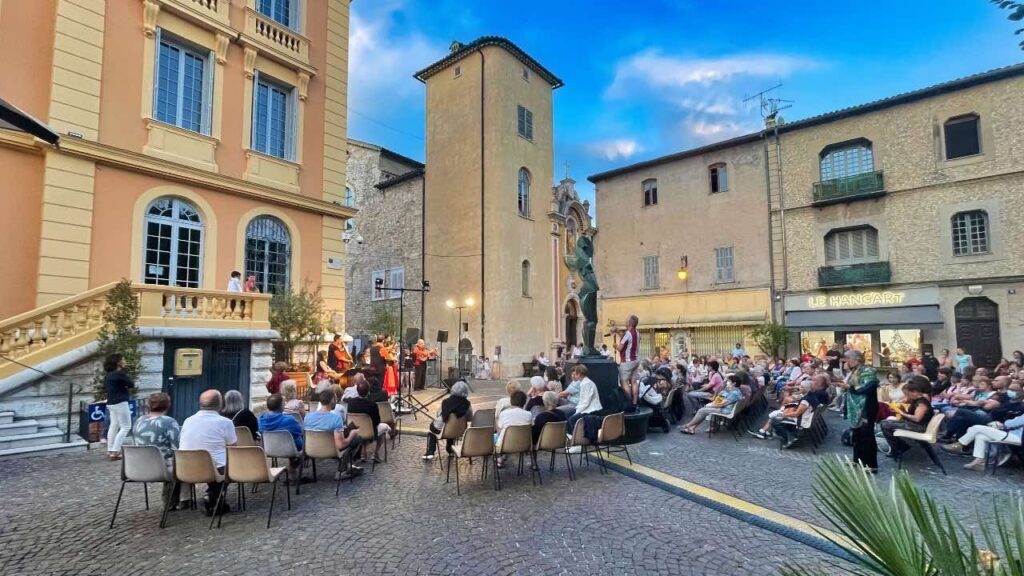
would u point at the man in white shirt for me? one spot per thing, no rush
(590, 401)
(208, 430)
(514, 415)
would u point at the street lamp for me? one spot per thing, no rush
(467, 303)
(683, 269)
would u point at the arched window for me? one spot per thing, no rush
(650, 189)
(174, 244)
(526, 277)
(524, 192)
(268, 254)
(962, 136)
(844, 160)
(851, 245)
(571, 234)
(970, 233)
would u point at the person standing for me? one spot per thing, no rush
(118, 387)
(628, 346)
(420, 356)
(861, 385)
(963, 361)
(235, 283)
(250, 284)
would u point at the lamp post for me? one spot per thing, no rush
(467, 303)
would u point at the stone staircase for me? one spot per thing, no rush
(25, 437)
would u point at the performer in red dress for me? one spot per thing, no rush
(389, 353)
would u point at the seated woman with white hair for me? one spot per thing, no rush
(534, 402)
(458, 404)
(511, 387)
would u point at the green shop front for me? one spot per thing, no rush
(888, 325)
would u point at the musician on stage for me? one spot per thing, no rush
(338, 357)
(389, 351)
(420, 356)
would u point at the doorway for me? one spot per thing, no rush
(465, 358)
(225, 367)
(977, 330)
(571, 324)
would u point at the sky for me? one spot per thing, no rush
(651, 77)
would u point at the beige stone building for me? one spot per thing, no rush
(495, 227)
(704, 211)
(901, 222)
(197, 139)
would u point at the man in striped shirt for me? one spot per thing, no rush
(628, 346)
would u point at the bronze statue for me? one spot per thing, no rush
(581, 262)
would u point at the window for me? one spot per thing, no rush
(350, 224)
(723, 265)
(526, 73)
(281, 11)
(268, 254)
(650, 188)
(393, 278)
(458, 71)
(719, 178)
(970, 233)
(851, 246)
(963, 138)
(526, 277)
(524, 192)
(571, 234)
(847, 161)
(273, 123)
(525, 123)
(650, 272)
(182, 88)
(349, 200)
(174, 244)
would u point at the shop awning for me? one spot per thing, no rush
(899, 317)
(725, 319)
(12, 118)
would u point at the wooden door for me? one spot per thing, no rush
(977, 330)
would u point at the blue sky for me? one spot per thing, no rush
(650, 77)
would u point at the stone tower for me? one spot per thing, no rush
(490, 157)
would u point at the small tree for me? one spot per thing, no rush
(297, 316)
(119, 334)
(1016, 14)
(770, 337)
(385, 320)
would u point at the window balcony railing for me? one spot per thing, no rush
(277, 39)
(865, 185)
(854, 274)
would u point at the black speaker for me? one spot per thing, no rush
(442, 336)
(411, 336)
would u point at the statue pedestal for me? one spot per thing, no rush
(605, 373)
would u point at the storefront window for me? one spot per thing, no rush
(816, 343)
(861, 341)
(899, 346)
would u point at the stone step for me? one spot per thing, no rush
(44, 436)
(6, 417)
(76, 445)
(19, 428)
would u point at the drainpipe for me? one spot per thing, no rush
(483, 172)
(423, 250)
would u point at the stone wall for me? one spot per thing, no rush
(390, 226)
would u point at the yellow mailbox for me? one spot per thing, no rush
(188, 362)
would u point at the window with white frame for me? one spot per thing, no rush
(963, 136)
(524, 192)
(349, 200)
(650, 191)
(526, 277)
(525, 123)
(268, 254)
(650, 272)
(970, 233)
(173, 244)
(285, 12)
(845, 161)
(719, 178)
(393, 278)
(724, 265)
(182, 90)
(273, 118)
(851, 245)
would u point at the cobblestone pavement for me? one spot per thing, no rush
(401, 519)
(759, 472)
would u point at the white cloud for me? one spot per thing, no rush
(724, 105)
(706, 130)
(615, 149)
(651, 69)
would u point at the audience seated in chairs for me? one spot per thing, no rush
(988, 398)
(325, 418)
(362, 404)
(534, 402)
(275, 419)
(1008, 432)
(723, 403)
(293, 406)
(158, 429)
(551, 413)
(788, 420)
(917, 397)
(458, 404)
(377, 393)
(514, 415)
(651, 397)
(208, 430)
(511, 387)
(708, 389)
(239, 414)
(589, 401)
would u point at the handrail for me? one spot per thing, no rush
(55, 306)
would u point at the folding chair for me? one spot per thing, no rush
(477, 442)
(613, 428)
(515, 440)
(141, 464)
(193, 467)
(248, 465)
(552, 439)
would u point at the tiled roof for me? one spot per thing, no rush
(466, 49)
(410, 175)
(898, 99)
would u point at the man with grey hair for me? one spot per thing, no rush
(861, 386)
(208, 430)
(629, 345)
(457, 404)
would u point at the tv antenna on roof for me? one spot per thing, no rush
(770, 106)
